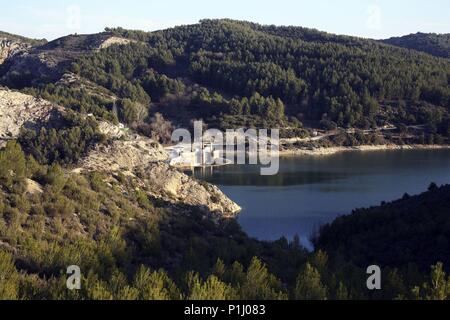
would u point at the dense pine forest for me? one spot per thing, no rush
(231, 74)
(435, 44)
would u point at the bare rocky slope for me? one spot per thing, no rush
(19, 110)
(125, 154)
(144, 160)
(9, 48)
(11, 45)
(75, 82)
(176, 187)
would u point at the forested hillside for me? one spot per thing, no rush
(394, 234)
(349, 81)
(234, 73)
(435, 44)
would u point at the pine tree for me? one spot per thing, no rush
(211, 289)
(12, 165)
(219, 269)
(96, 289)
(259, 283)
(155, 285)
(55, 178)
(9, 278)
(119, 287)
(309, 285)
(342, 292)
(438, 287)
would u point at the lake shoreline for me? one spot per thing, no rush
(363, 148)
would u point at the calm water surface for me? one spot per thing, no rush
(310, 191)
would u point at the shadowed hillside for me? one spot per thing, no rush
(435, 44)
(394, 234)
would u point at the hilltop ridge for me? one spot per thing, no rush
(432, 43)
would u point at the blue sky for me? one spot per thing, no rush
(365, 18)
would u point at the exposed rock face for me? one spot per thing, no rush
(75, 82)
(143, 159)
(173, 186)
(9, 48)
(123, 155)
(19, 110)
(33, 187)
(112, 131)
(114, 41)
(84, 42)
(33, 67)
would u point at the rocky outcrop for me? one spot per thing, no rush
(144, 160)
(113, 131)
(171, 185)
(83, 43)
(33, 187)
(9, 48)
(18, 110)
(35, 67)
(122, 155)
(75, 82)
(114, 41)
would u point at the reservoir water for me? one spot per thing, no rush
(309, 191)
